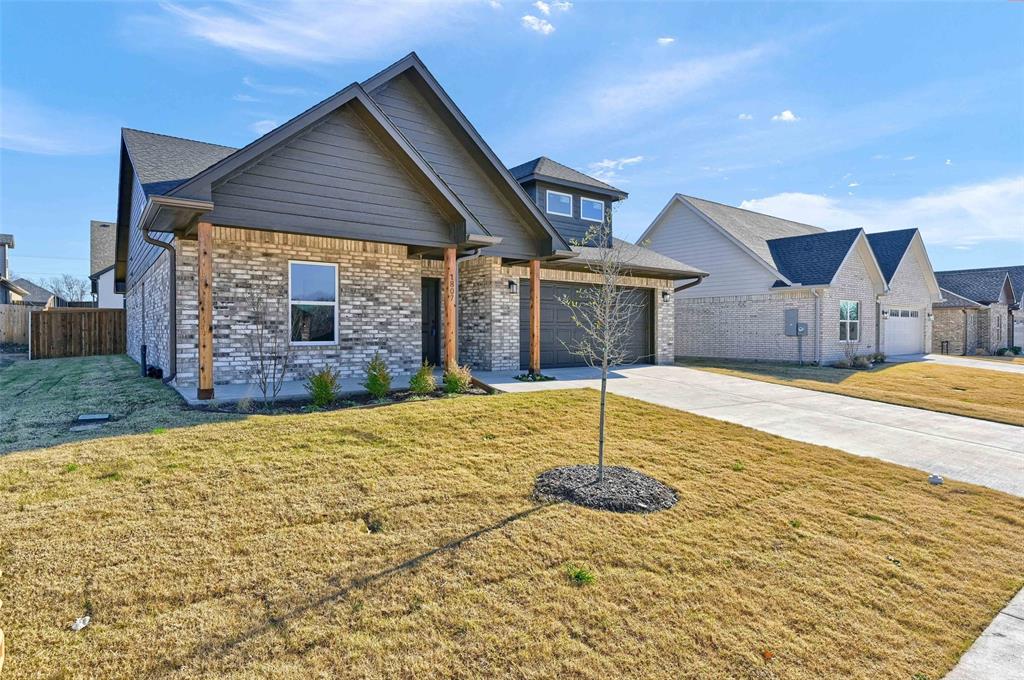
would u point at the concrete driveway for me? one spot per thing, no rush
(990, 364)
(965, 449)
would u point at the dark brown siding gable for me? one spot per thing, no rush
(334, 179)
(406, 107)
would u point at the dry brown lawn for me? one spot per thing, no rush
(973, 392)
(240, 549)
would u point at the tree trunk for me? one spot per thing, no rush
(600, 436)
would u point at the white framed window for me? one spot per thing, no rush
(591, 210)
(312, 303)
(559, 203)
(849, 321)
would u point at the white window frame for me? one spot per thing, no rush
(312, 343)
(857, 321)
(547, 203)
(592, 200)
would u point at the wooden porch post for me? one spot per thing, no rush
(451, 358)
(205, 273)
(535, 317)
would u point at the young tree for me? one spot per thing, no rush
(271, 354)
(605, 314)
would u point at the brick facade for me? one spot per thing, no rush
(147, 315)
(971, 331)
(909, 290)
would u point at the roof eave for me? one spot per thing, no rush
(613, 193)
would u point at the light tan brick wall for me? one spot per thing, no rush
(949, 325)
(993, 328)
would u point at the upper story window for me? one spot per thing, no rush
(313, 303)
(592, 210)
(849, 321)
(559, 203)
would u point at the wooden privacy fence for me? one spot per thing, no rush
(14, 324)
(76, 332)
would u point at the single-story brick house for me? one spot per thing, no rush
(379, 220)
(780, 290)
(979, 309)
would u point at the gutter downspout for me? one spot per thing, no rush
(172, 322)
(817, 325)
(691, 284)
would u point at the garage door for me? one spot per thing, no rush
(904, 332)
(557, 326)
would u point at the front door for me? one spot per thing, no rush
(431, 320)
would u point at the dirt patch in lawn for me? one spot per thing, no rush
(619, 490)
(405, 542)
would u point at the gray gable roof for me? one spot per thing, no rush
(889, 247)
(1015, 272)
(545, 168)
(750, 228)
(979, 285)
(812, 259)
(162, 162)
(639, 260)
(951, 299)
(36, 294)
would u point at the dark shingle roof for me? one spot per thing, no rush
(1016, 273)
(11, 285)
(889, 247)
(750, 228)
(639, 258)
(163, 162)
(546, 167)
(36, 294)
(951, 299)
(979, 285)
(812, 259)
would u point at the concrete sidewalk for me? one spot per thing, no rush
(965, 449)
(998, 653)
(991, 364)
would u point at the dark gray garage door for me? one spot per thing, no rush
(556, 325)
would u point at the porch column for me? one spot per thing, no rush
(451, 358)
(534, 317)
(205, 274)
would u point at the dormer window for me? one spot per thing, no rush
(559, 203)
(592, 210)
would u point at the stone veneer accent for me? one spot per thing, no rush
(753, 326)
(949, 325)
(147, 310)
(379, 305)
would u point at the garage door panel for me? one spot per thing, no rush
(904, 332)
(557, 329)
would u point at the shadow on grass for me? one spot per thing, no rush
(784, 371)
(341, 590)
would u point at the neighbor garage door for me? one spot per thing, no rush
(904, 332)
(558, 329)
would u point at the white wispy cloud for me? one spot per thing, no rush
(247, 98)
(955, 216)
(949, 162)
(607, 169)
(313, 31)
(562, 5)
(745, 116)
(908, 158)
(31, 127)
(786, 116)
(666, 41)
(853, 184)
(281, 90)
(262, 127)
(542, 7)
(496, 4)
(542, 26)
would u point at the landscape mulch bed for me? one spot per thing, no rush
(293, 405)
(622, 489)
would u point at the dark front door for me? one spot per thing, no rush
(431, 320)
(557, 329)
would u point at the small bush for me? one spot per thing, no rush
(842, 363)
(244, 405)
(1003, 351)
(378, 377)
(878, 358)
(580, 576)
(861, 362)
(457, 380)
(323, 387)
(423, 380)
(1016, 349)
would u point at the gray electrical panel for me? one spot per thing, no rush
(792, 316)
(801, 329)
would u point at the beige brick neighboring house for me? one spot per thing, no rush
(780, 290)
(102, 242)
(356, 224)
(977, 315)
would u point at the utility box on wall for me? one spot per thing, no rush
(792, 316)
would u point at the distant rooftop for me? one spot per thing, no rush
(543, 167)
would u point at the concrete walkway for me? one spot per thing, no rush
(956, 447)
(998, 654)
(966, 362)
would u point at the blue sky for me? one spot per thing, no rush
(880, 116)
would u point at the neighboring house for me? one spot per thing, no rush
(376, 221)
(38, 296)
(9, 292)
(780, 290)
(102, 243)
(977, 314)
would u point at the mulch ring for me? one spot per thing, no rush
(622, 490)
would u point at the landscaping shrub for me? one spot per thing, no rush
(423, 380)
(378, 377)
(323, 387)
(1016, 349)
(842, 363)
(878, 358)
(861, 362)
(1002, 351)
(457, 380)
